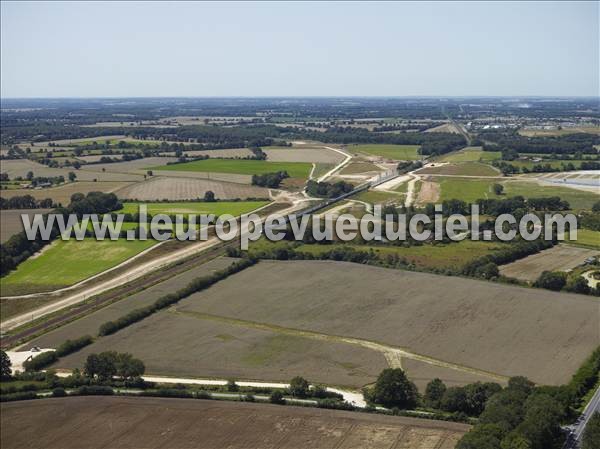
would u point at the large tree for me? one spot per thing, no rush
(393, 389)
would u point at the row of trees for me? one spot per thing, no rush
(271, 180)
(327, 189)
(25, 202)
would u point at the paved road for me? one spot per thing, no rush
(574, 440)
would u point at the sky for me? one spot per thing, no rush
(185, 49)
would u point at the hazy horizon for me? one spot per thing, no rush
(287, 50)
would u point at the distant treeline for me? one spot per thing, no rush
(567, 144)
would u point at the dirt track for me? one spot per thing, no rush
(121, 422)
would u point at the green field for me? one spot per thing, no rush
(396, 152)
(462, 169)
(578, 199)
(240, 166)
(68, 262)
(554, 163)
(587, 238)
(234, 208)
(471, 189)
(466, 189)
(378, 197)
(471, 154)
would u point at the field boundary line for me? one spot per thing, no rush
(392, 354)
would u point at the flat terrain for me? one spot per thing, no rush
(461, 169)
(394, 152)
(90, 323)
(587, 238)
(558, 132)
(20, 167)
(577, 199)
(11, 223)
(558, 258)
(226, 153)
(173, 189)
(122, 422)
(65, 263)
(497, 328)
(135, 167)
(239, 166)
(62, 194)
(300, 154)
(234, 208)
(471, 154)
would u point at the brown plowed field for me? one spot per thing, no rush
(174, 189)
(128, 422)
(11, 223)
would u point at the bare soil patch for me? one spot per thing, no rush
(429, 193)
(77, 422)
(558, 258)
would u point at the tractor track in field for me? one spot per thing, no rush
(392, 354)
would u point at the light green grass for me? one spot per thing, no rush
(587, 238)
(554, 163)
(242, 167)
(396, 152)
(234, 208)
(378, 197)
(471, 154)
(466, 189)
(578, 199)
(472, 189)
(462, 169)
(68, 262)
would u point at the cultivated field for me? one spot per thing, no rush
(227, 153)
(136, 167)
(185, 423)
(559, 132)
(471, 323)
(394, 152)
(471, 154)
(558, 258)
(234, 208)
(461, 169)
(62, 194)
(20, 167)
(354, 168)
(300, 154)
(11, 223)
(577, 199)
(588, 238)
(243, 167)
(162, 188)
(65, 263)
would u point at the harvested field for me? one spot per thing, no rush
(301, 154)
(62, 194)
(226, 153)
(388, 151)
(558, 258)
(137, 166)
(20, 167)
(189, 345)
(497, 328)
(69, 423)
(174, 189)
(11, 223)
(227, 177)
(242, 167)
(83, 140)
(234, 208)
(461, 169)
(471, 154)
